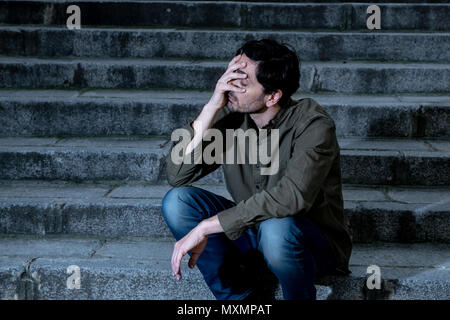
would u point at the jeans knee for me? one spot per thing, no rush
(173, 207)
(279, 241)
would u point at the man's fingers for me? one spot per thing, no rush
(235, 66)
(225, 86)
(176, 251)
(175, 270)
(236, 58)
(176, 261)
(230, 87)
(172, 261)
(177, 265)
(234, 76)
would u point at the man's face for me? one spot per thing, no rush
(252, 100)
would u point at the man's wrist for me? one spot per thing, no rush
(210, 226)
(212, 107)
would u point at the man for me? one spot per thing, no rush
(293, 218)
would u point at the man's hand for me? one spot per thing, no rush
(225, 83)
(195, 242)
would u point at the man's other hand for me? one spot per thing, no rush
(194, 242)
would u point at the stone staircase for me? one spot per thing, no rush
(86, 117)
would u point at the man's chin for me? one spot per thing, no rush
(231, 107)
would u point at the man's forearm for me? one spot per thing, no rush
(203, 122)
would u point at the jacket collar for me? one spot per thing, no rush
(280, 116)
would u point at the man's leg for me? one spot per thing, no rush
(297, 252)
(183, 209)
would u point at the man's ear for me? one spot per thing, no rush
(274, 97)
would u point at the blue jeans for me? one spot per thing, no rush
(292, 248)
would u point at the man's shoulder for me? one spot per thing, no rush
(306, 111)
(314, 127)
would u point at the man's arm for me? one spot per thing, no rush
(314, 153)
(184, 173)
(180, 174)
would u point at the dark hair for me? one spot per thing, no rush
(278, 66)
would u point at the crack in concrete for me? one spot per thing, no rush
(28, 264)
(429, 145)
(164, 144)
(385, 192)
(113, 186)
(100, 245)
(109, 191)
(313, 84)
(28, 283)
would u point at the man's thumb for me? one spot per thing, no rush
(193, 260)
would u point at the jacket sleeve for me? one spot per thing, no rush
(179, 174)
(312, 156)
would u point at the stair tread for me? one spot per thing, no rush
(402, 260)
(212, 62)
(42, 192)
(139, 268)
(149, 29)
(152, 144)
(155, 94)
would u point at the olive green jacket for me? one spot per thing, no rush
(308, 181)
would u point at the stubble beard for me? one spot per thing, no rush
(247, 108)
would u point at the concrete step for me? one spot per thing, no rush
(36, 268)
(84, 158)
(145, 112)
(341, 77)
(363, 160)
(340, 16)
(133, 208)
(220, 44)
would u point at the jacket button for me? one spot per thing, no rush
(257, 166)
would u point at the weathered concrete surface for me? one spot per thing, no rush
(394, 167)
(138, 112)
(220, 44)
(140, 269)
(84, 158)
(338, 77)
(363, 161)
(10, 274)
(343, 16)
(397, 222)
(115, 209)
